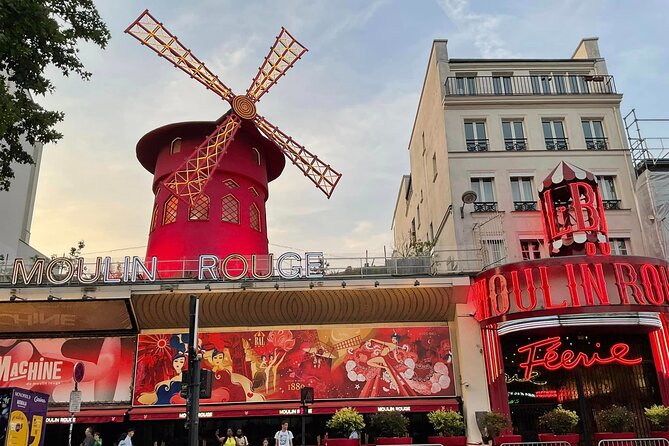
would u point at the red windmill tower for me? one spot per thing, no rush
(210, 191)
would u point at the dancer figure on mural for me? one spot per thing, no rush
(165, 390)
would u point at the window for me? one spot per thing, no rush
(199, 209)
(541, 83)
(230, 183)
(607, 187)
(465, 84)
(485, 193)
(594, 135)
(523, 194)
(175, 147)
(501, 84)
(530, 249)
(256, 155)
(154, 217)
(170, 210)
(230, 209)
(619, 246)
(554, 135)
(494, 251)
(254, 192)
(418, 216)
(412, 234)
(254, 217)
(475, 136)
(434, 167)
(577, 84)
(514, 137)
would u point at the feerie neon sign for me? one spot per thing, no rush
(545, 354)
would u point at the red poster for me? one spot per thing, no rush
(46, 365)
(273, 365)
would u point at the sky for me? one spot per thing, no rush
(351, 100)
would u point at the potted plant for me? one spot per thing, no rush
(390, 428)
(559, 424)
(614, 422)
(449, 426)
(345, 421)
(659, 420)
(494, 424)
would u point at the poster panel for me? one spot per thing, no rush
(22, 415)
(273, 365)
(46, 365)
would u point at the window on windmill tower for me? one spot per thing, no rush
(230, 209)
(199, 210)
(154, 217)
(256, 155)
(254, 217)
(175, 147)
(170, 210)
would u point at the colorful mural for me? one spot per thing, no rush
(339, 363)
(46, 365)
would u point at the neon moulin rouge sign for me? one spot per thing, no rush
(63, 270)
(545, 354)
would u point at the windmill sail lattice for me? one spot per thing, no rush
(189, 180)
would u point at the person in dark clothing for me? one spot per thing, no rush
(88, 439)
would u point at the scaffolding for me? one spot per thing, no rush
(647, 152)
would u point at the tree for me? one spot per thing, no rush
(33, 35)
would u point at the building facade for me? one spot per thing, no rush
(489, 138)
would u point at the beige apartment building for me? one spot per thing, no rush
(497, 128)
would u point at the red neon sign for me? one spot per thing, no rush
(551, 360)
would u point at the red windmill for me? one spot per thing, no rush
(215, 186)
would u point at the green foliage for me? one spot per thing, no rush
(559, 421)
(614, 419)
(345, 421)
(389, 424)
(35, 34)
(658, 416)
(447, 423)
(495, 423)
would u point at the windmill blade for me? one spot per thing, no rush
(323, 176)
(196, 171)
(283, 55)
(153, 34)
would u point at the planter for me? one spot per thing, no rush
(394, 440)
(572, 439)
(659, 434)
(448, 441)
(509, 438)
(614, 436)
(341, 442)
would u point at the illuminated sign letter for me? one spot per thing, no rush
(207, 263)
(61, 263)
(138, 264)
(36, 271)
(315, 263)
(622, 284)
(268, 267)
(294, 271)
(238, 257)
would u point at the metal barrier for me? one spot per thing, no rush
(538, 443)
(634, 442)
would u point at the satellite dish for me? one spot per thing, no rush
(469, 197)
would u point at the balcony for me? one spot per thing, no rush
(485, 206)
(549, 85)
(556, 143)
(515, 144)
(611, 205)
(477, 145)
(596, 144)
(524, 206)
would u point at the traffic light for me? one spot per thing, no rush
(307, 395)
(206, 383)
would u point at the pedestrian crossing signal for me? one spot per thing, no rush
(206, 383)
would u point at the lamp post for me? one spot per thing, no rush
(193, 401)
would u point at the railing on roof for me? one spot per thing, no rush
(529, 85)
(331, 267)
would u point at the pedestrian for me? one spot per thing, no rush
(228, 440)
(127, 440)
(88, 439)
(354, 435)
(284, 437)
(97, 439)
(265, 441)
(240, 438)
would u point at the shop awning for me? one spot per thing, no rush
(87, 415)
(293, 408)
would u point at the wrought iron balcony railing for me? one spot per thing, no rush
(529, 85)
(524, 205)
(477, 145)
(596, 144)
(485, 206)
(556, 143)
(515, 144)
(611, 205)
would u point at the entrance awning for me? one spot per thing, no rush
(92, 415)
(293, 408)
